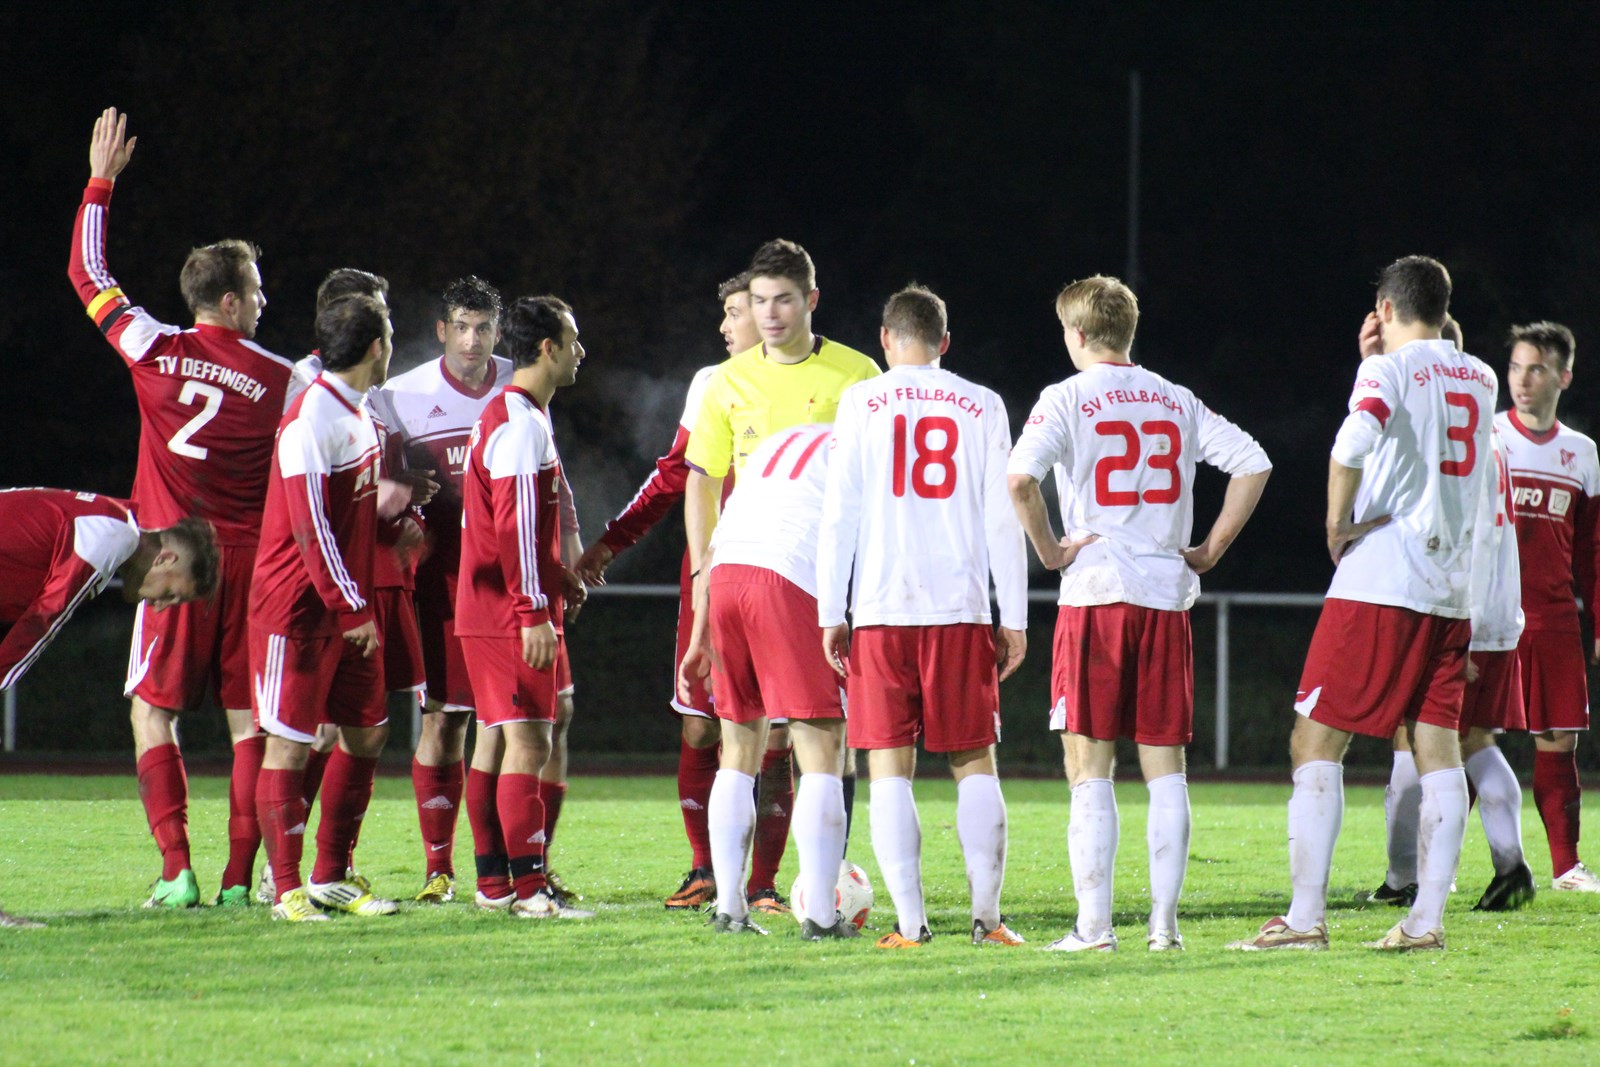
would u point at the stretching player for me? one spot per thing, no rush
(209, 402)
(916, 507)
(509, 607)
(312, 635)
(697, 752)
(1409, 470)
(755, 611)
(1124, 443)
(62, 548)
(1556, 479)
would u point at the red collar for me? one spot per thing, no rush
(221, 331)
(462, 387)
(1538, 437)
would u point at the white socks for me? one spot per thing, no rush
(818, 828)
(1499, 806)
(897, 842)
(1316, 811)
(1439, 834)
(1401, 802)
(1167, 836)
(1092, 848)
(981, 825)
(731, 822)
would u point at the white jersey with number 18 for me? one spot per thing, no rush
(1124, 442)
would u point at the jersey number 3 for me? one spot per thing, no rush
(1160, 460)
(191, 393)
(1460, 468)
(928, 458)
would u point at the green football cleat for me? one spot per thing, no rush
(181, 892)
(233, 896)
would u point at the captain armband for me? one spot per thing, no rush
(107, 307)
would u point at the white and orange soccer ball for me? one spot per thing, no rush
(852, 896)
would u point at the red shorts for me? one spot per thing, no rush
(937, 681)
(769, 649)
(699, 699)
(1494, 701)
(508, 689)
(1371, 666)
(302, 682)
(181, 653)
(1121, 670)
(1555, 680)
(396, 616)
(447, 682)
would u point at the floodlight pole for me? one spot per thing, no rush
(1131, 276)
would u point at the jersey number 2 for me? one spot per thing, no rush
(1460, 468)
(928, 458)
(192, 392)
(1167, 460)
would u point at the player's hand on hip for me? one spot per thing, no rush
(1066, 551)
(593, 563)
(539, 646)
(110, 148)
(1201, 557)
(1009, 648)
(836, 648)
(1344, 533)
(364, 637)
(1370, 339)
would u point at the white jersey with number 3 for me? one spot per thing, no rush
(917, 502)
(1124, 442)
(771, 518)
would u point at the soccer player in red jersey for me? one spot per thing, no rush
(62, 548)
(1555, 475)
(313, 639)
(209, 402)
(701, 729)
(510, 595)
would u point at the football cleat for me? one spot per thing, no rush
(723, 923)
(180, 892)
(699, 888)
(559, 889)
(895, 939)
(1508, 892)
(296, 907)
(17, 922)
(1105, 942)
(1000, 935)
(1277, 934)
(1397, 940)
(1580, 880)
(267, 888)
(353, 896)
(767, 900)
(494, 903)
(439, 889)
(545, 905)
(1164, 941)
(233, 896)
(810, 931)
(1403, 897)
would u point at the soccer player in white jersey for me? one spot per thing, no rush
(1556, 478)
(1124, 443)
(1491, 704)
(756, 611)
(916, 506)
(1409, 469)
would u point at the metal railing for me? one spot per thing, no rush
(1222, 602)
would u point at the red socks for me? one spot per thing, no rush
(1557, 795)
(316, 764)
(488, 840)
(348, 791)
(244, 829)
(522, 816)
(164, 791)
(774, 809)
(281, 809)
(551, 794)
(438, 791)
(697, 769)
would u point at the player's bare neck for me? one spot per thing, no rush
(137, 566)
(470, 376)
(797, 351)
(211, 317)
(358, 377)
(1537, 421)
(1094, 356)
(534, 382)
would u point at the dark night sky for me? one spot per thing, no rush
(629, 156)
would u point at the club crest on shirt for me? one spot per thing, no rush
(1567, 457)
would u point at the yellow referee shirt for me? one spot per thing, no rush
(750, 397)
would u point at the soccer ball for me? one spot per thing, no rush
(852, 896)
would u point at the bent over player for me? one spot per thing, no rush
(1409, 469)
(209, 402)
(1124, 443)
(916, 507)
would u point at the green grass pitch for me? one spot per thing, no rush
(109, 982)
